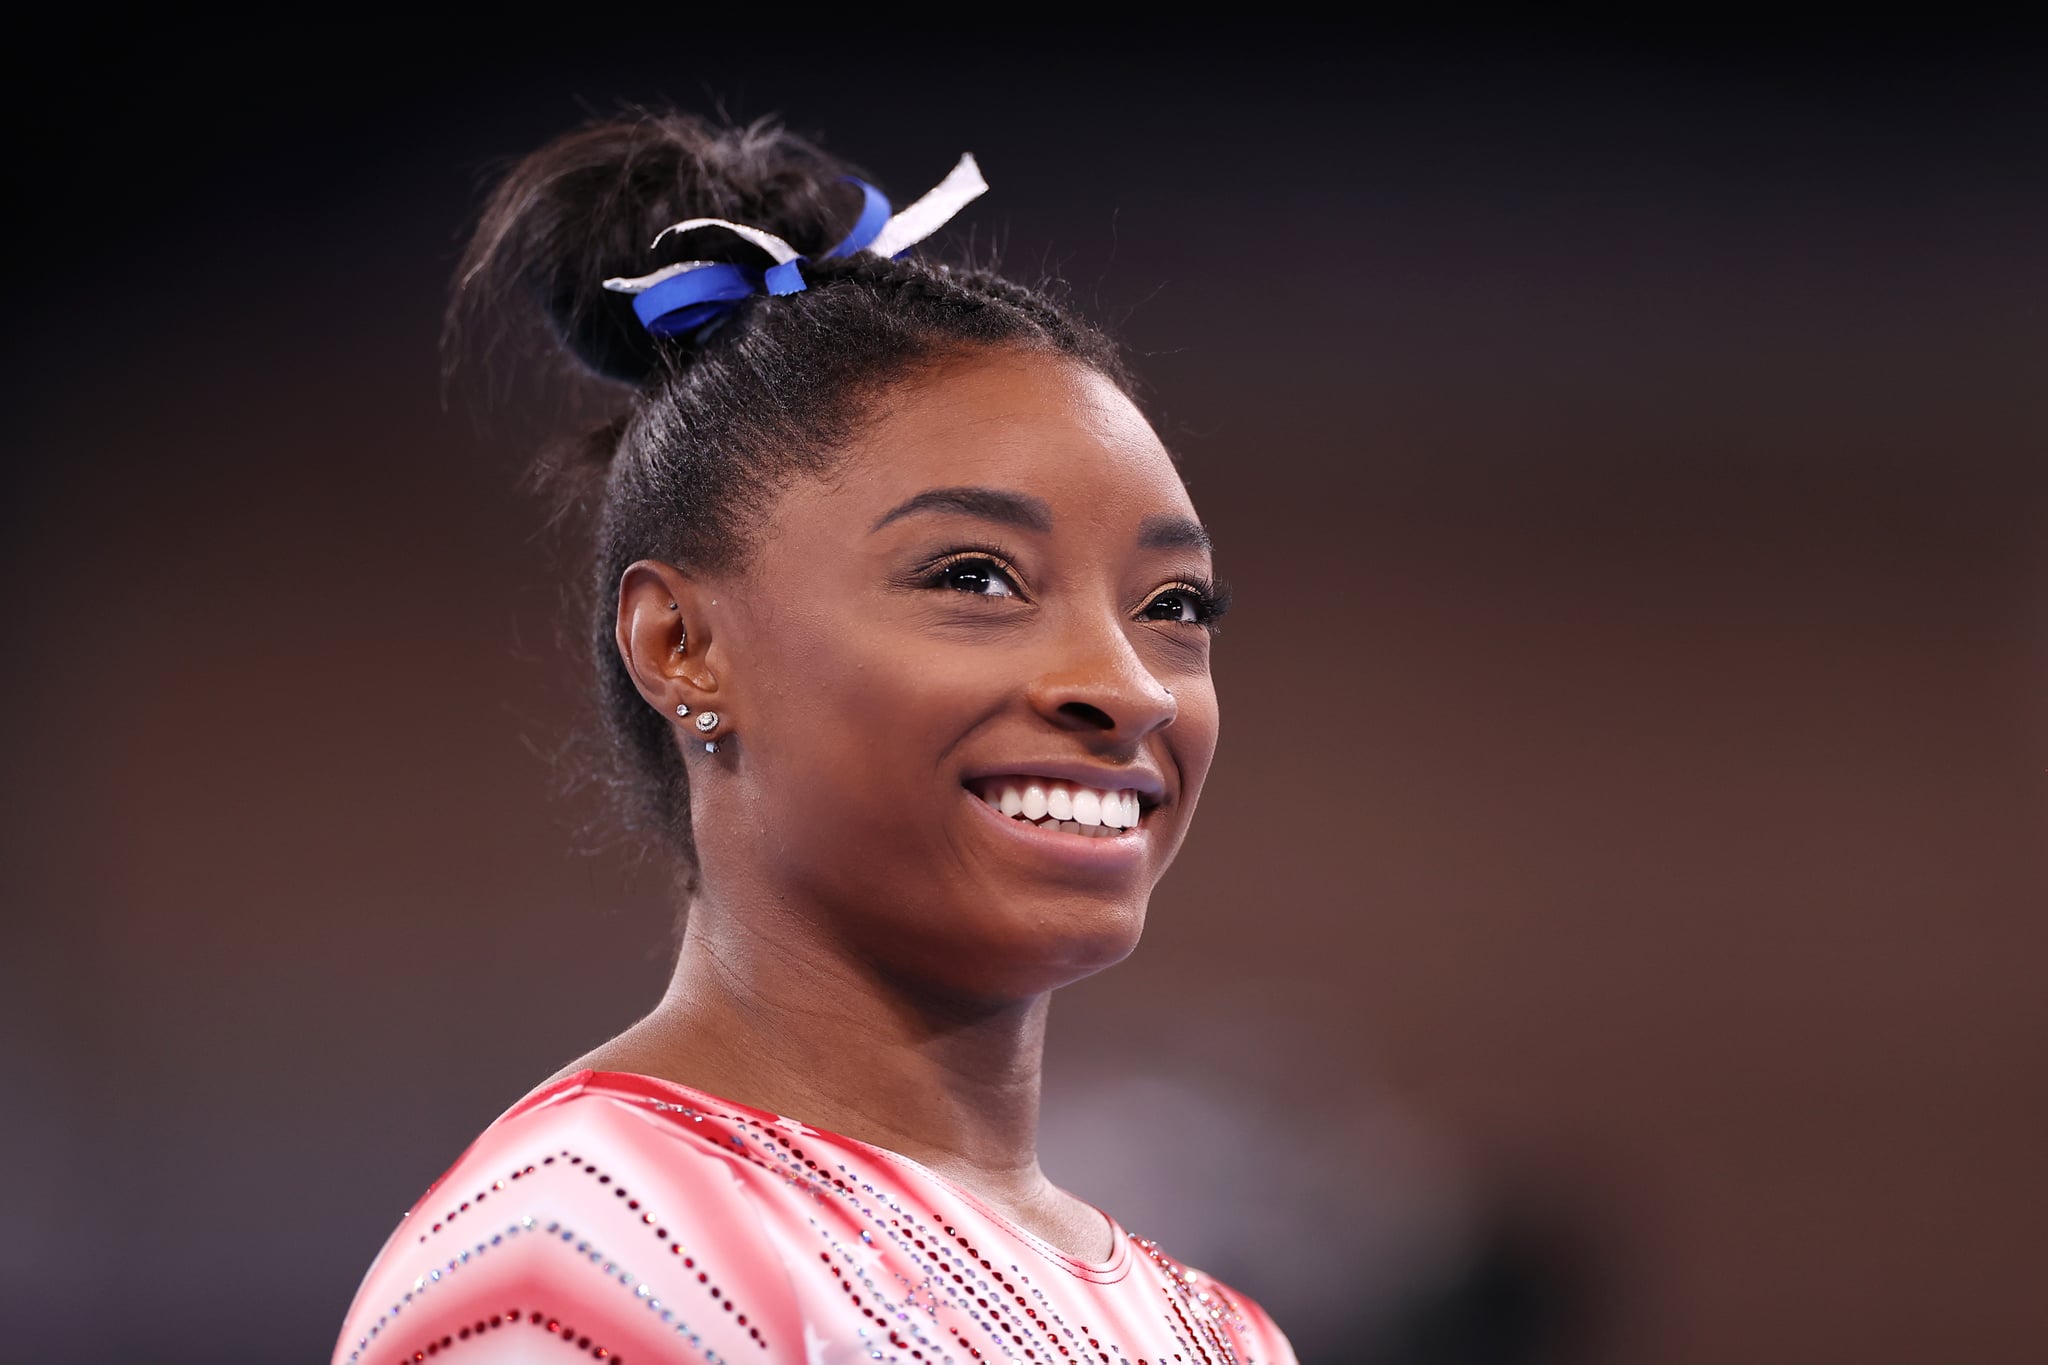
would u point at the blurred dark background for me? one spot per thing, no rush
(1614, 932)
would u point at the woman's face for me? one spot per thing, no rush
(1001, 598)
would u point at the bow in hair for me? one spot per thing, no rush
(694, 296)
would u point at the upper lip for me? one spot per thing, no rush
(1149, 785)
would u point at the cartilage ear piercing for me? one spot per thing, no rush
(682, 638)
(671, 606)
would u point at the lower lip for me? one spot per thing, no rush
(1108, 853)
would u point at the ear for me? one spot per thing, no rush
(661, 608)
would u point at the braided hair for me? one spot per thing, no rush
(717, 426)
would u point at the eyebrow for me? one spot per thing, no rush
(990, 504)
(1170, 532)
(1166, 531)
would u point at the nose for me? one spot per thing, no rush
(1099, 686)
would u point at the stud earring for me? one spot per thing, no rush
(671, 606)
(682, 708)
(707, 721)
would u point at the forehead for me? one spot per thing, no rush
(1040, 426)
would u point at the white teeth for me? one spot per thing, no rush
(1092, 811)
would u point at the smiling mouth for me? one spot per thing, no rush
(1093, 812)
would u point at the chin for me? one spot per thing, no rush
(1025, 948)
(1068, 940)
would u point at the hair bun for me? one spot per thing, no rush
(584, 208)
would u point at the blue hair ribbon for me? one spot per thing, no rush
(694, 296)
(874, 216)
(689, 299)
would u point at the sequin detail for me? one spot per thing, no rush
(747, 1236)
(597, 1350)
(1199, 1317)
(555, 1232)
(570, 1161)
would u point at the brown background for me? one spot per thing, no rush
(1614, 930)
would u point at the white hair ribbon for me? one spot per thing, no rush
(961, 187)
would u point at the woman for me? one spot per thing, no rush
(903, 624)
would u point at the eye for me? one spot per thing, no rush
(1189, 604)
(974, 573)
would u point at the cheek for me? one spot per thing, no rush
(852, 736)
(1194, 733)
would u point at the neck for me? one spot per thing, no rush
(763, 1012)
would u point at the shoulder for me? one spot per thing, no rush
(582, 1212)
(1263, 1343)
(1240, 1328)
